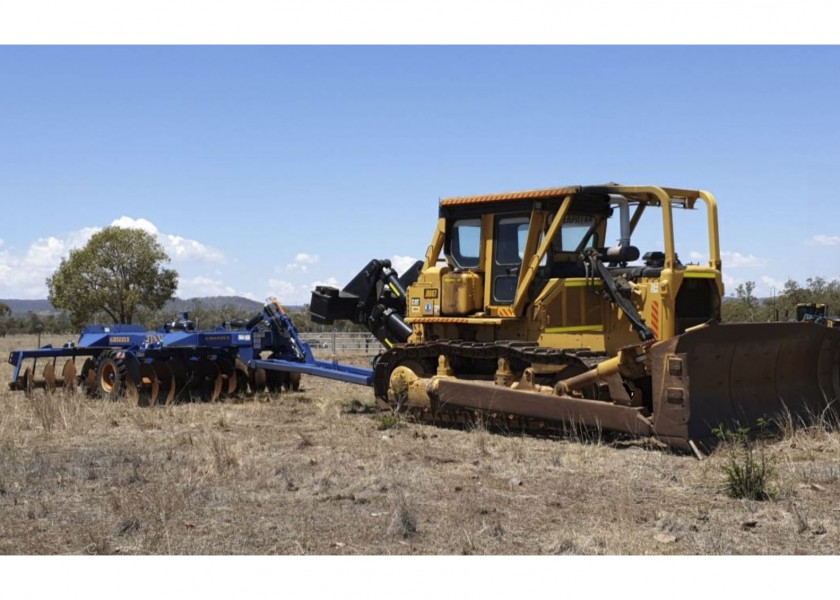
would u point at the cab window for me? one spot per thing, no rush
(465, 243)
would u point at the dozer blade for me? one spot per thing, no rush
(734, 375)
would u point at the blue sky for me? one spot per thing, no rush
(267, 170)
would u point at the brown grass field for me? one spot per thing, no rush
(297, 474)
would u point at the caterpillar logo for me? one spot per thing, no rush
(119, 339)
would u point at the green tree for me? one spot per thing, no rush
(117, 272)
(5, 312)
(744, 306)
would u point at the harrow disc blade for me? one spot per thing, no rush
(294, 382)
(242, 377)
(68, 375)
(207, 380)
(258, 380)
(25, 381)
(166, 382)
(228, 374)
(49, 382)
(88, 377)
(276, 381)
(179, 390)
(149, 388)
(132, 393)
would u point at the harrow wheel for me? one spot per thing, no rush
(111, 376)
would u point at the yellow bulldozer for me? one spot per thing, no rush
(536, 309)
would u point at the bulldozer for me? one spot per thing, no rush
(811, 312)
(535, 309)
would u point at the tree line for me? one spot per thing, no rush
(746, 307)
(203, 316)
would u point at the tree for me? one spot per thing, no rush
(118, 271)
(5, 311)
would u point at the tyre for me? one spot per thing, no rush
(110, 376)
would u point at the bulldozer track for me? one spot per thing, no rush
(521, 355)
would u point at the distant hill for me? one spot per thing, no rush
(43, 307)
(24, 306)
(212, 303)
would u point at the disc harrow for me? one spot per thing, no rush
(177, 363)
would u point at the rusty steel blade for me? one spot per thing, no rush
(49, 382)
(734, 375)
(68, 375)
(166, 379)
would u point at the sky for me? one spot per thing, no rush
(268, 170)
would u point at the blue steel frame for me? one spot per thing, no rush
(288, 352)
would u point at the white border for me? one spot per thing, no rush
(417, 22)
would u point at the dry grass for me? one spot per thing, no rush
(301, 474)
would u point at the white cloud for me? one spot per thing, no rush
(295, 294)
(730, 283)
(402, 263)
(331, 282)
(131, 223)
(736, 260)
(23, 274)
(203, 286)
(302, 262)
(824, 240)
(286, 291)
(179, 249)
(307, 259)
(771, 283)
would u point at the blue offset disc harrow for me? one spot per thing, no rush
(178, 363)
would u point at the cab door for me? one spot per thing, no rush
(510, 233)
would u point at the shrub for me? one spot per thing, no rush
(747, 470)
(389, 421)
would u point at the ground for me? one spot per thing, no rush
(302, 473)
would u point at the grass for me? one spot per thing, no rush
(299, 474)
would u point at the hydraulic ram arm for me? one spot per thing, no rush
(375, 298)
